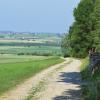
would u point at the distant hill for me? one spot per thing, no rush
(24, 38)
(10, 34)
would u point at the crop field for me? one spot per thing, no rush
(33, 50)
(11, 58)
(15, 69)
(22, 55)
(30, 44)
(29, 38)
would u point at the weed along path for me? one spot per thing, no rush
(59, 82)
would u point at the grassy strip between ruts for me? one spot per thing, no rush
(91, 88)
(12, 74)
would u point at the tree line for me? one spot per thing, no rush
(85, 31)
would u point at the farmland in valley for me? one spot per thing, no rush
(30, 44)
(22, 55)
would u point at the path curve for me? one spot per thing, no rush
(62, 83)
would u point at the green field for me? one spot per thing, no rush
(15, 69)
(11, 58)
(31, 44)
(33, 50)
(22, 55)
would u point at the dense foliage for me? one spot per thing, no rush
(85, 32)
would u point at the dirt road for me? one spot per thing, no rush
(59, 82)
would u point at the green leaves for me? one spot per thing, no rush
(85, 32)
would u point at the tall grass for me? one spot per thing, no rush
(84, 68)
(14, 73)
(91, 90)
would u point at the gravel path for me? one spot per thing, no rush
(59, 82)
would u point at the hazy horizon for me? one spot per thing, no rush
(46, 16)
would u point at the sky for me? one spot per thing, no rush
(53, 16)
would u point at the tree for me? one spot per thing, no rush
(80, 32)
(95, 16)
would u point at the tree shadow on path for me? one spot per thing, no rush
(73, 78)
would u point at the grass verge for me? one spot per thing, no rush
(12, 74)
(91, 88)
